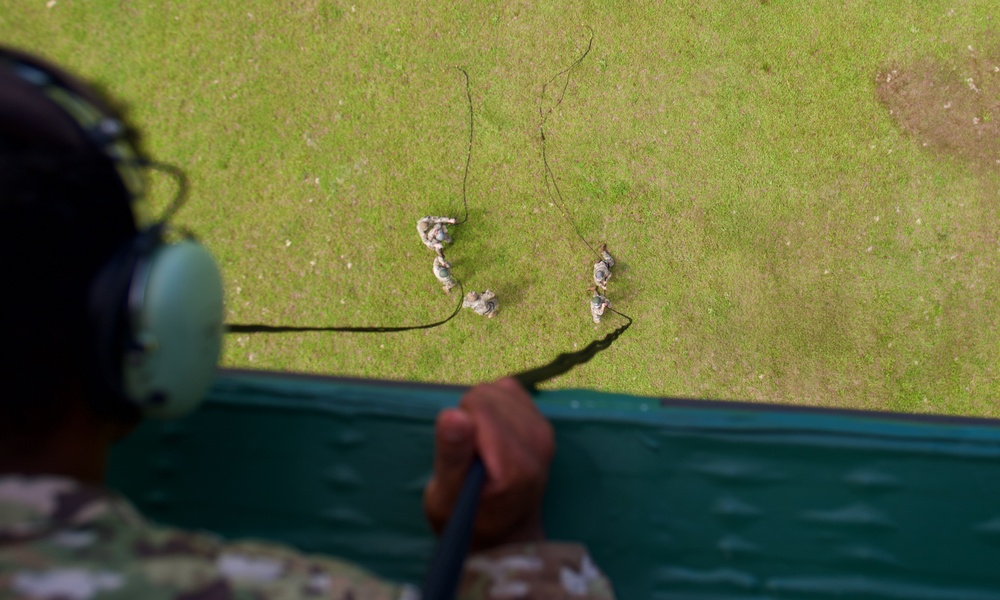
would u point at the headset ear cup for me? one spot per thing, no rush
(110, 329)
(176, 321)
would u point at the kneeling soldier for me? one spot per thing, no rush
(602, 268)
(484, 304)
(433, 232)
(598, 304)
(442, 270)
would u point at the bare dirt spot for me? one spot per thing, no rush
(951, 108)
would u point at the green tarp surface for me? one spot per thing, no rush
(676, 499)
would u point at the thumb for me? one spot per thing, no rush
(454, 451)
(455, 448)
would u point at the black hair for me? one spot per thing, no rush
(63, 213)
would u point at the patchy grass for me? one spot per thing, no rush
(781, 236)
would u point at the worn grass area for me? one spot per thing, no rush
(781, 237)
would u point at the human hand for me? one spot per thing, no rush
(452, 221)
(499, 422)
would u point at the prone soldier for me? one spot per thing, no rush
(433, 232)
(485, 304)
(442, 270)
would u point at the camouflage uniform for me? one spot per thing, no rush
(433, 232)
(443, 273)
(598, 304)
(62, 540)
(485, 304)
(602, 269)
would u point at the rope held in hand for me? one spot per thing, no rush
(446, 565)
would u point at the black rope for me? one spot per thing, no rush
(182, 186)
(260, 328)
(468, 156)
(557, 199)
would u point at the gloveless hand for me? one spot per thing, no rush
(499, 422)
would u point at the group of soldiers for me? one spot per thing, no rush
(433, 233)
(602, 273)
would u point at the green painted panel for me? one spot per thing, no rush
(676, 499)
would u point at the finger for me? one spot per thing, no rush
(513, 439)
(454, 450)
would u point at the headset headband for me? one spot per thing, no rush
(156, 307)
(104, 131)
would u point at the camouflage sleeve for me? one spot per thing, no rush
(265, 570)
(551, 571)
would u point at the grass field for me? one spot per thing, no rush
(782, 235)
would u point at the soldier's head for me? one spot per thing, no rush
(62, 215)
(442, 235)
(74, 245)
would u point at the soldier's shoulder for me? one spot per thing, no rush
(162, 562)
(81, 542)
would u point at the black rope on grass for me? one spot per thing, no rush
(468, 156)
(261, 328)
(557, 199)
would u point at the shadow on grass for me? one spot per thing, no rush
(512, 295)
(459, 231)
(465, 271)
(619, 290)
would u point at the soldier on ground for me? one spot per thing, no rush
(75, 381)
(485, 304)
(598, 304)
(442, 270)
(433, 232)
(602, 268)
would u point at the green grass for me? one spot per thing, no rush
(780, 238)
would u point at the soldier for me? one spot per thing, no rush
(433, 233)
(598, 304)
(485, 304)
(602, 268)
(442, 270)
(72, 196)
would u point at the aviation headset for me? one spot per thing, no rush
(155, 307)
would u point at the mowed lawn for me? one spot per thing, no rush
(780, 237)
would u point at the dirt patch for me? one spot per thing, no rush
(951, 108)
